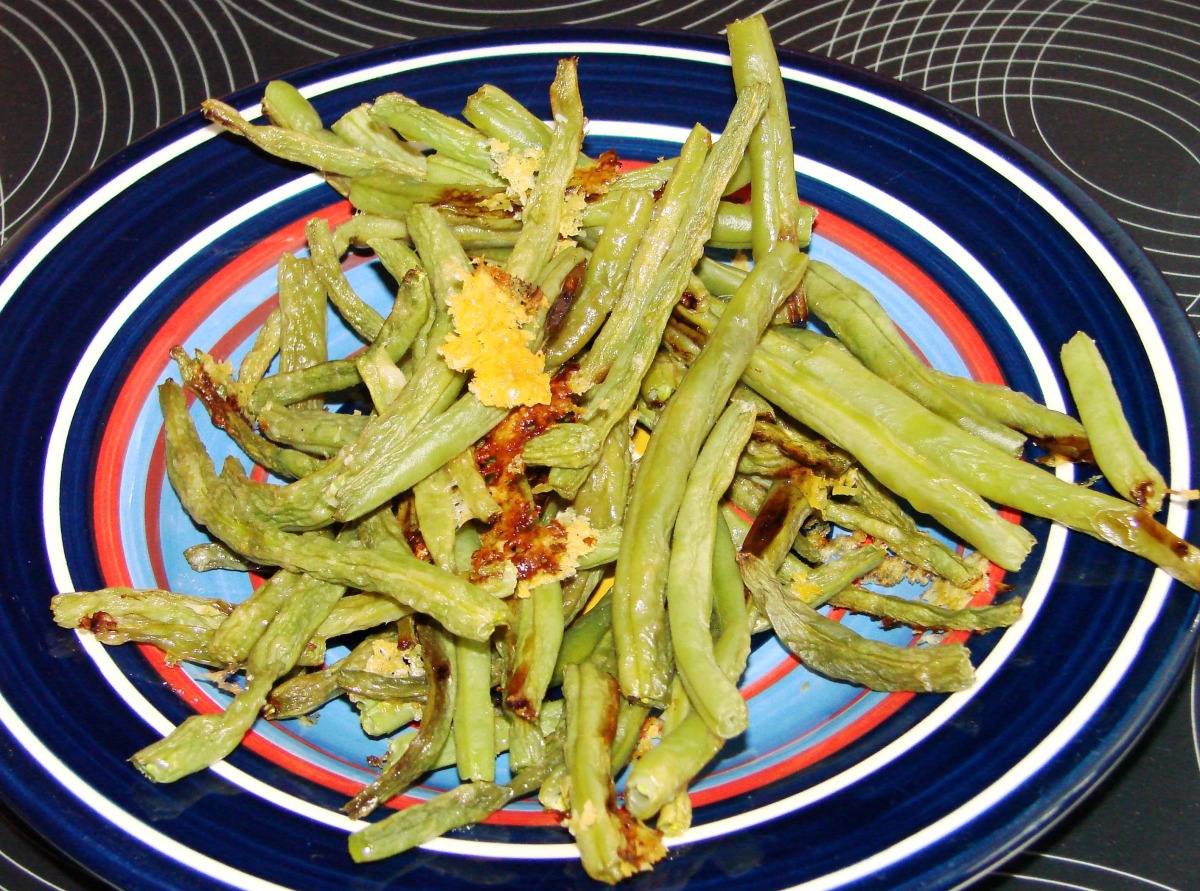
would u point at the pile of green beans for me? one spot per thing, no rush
(726, 469)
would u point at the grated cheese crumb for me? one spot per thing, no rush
(578, 539)
(489, 339)
(387, 658)
(516, 167)
(574, 204)
(803, 588)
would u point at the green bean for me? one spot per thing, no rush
(80, 608)
(542, 215)
(611, 848)
(539, 636)
(662, 773)
(1006, 480)
(832, 649)
(291, 388)
(210, 555)
(235, 637)
(390, 197)
(474, 733)
(316, 431)
(465, 803)
(791, 567)
(606, 273)
(465, 609)
(449, 757)
(689, 580)
(305, 693)
(831, 577)
(286, 107)
(302, 314)
(720, 278)
(438, 650)
(373, 685)
(777, 522)
(661, 380)
(412, 312)
(219, 395)
(326, 261)
(640, 580)
(631, 718)
(497, 114)
(1058, 433)
(564, 445)
(560, 281)
(1113, 445)
(178, 642)
(919, 614)
(361, 612)
(202, 740)
(582, 635)
(471, 486)
(358, 129)
(357, 231)
(603, 495)
(906, 540)
(431, 444)
(864, 328)
(446, 171)
(536, 776)
(773, 199)
(890, 457)
(433, 500)
(305, 148)
(416, 123)
(262, 352)
(382, 377)
(383, 717)
(730, 228)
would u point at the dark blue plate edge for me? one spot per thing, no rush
(1164, 307)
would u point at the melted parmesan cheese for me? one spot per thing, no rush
(517, 168)
(489, 339)
(579, 539)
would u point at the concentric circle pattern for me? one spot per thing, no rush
(1102, 91)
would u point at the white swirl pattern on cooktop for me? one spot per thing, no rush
(98, 74)
(1053, 75)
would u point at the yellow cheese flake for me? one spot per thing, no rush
(578, 538)
(516, 167)
(574, 204)
(804, 588)
(387, 658)
(586, 816)
(489, 339)
(847, 484)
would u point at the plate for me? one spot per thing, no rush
(988, 260)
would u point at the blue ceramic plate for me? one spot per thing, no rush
(988, 261)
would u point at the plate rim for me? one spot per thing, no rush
(1107, 230)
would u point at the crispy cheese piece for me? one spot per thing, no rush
(490, 339)
(561, 543)
(516, 167)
